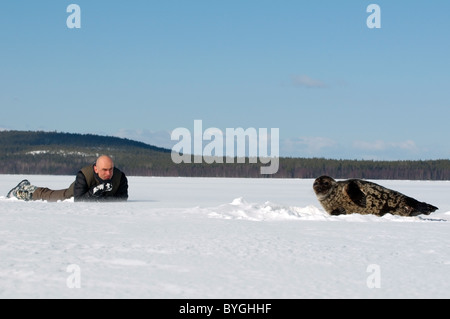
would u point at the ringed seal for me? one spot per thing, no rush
(357, 196)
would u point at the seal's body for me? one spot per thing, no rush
(357, 196)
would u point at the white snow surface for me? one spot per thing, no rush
(203, 238)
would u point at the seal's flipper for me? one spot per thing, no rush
(418, 208)
(338, 211)
(355, 194)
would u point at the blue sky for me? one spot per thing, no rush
(313, 69)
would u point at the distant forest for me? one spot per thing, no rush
(52, 153)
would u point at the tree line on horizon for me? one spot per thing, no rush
(52, 153)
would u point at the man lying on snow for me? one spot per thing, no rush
(98, 182)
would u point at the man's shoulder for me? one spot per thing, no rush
(87, 169)
(118, 171)
(86, 174)
(120, 175)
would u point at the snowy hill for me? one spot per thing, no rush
(56, 153)
(53, 153)
(220, 238)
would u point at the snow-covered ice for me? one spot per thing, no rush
(220, 238)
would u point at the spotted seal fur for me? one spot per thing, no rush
(356, 196)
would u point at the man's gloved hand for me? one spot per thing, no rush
(101, 190)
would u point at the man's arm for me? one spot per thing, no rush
(122, 192)
(81, 189)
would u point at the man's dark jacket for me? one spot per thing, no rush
(87, 179)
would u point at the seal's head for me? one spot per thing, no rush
(323, 185)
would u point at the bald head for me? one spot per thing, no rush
(104, 167)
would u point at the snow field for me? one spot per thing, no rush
(220, 238)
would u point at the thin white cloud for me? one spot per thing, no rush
(155, 138)
(380, 145)
(307, 146)
(370, 146)
(312, 146)
(307, 82)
